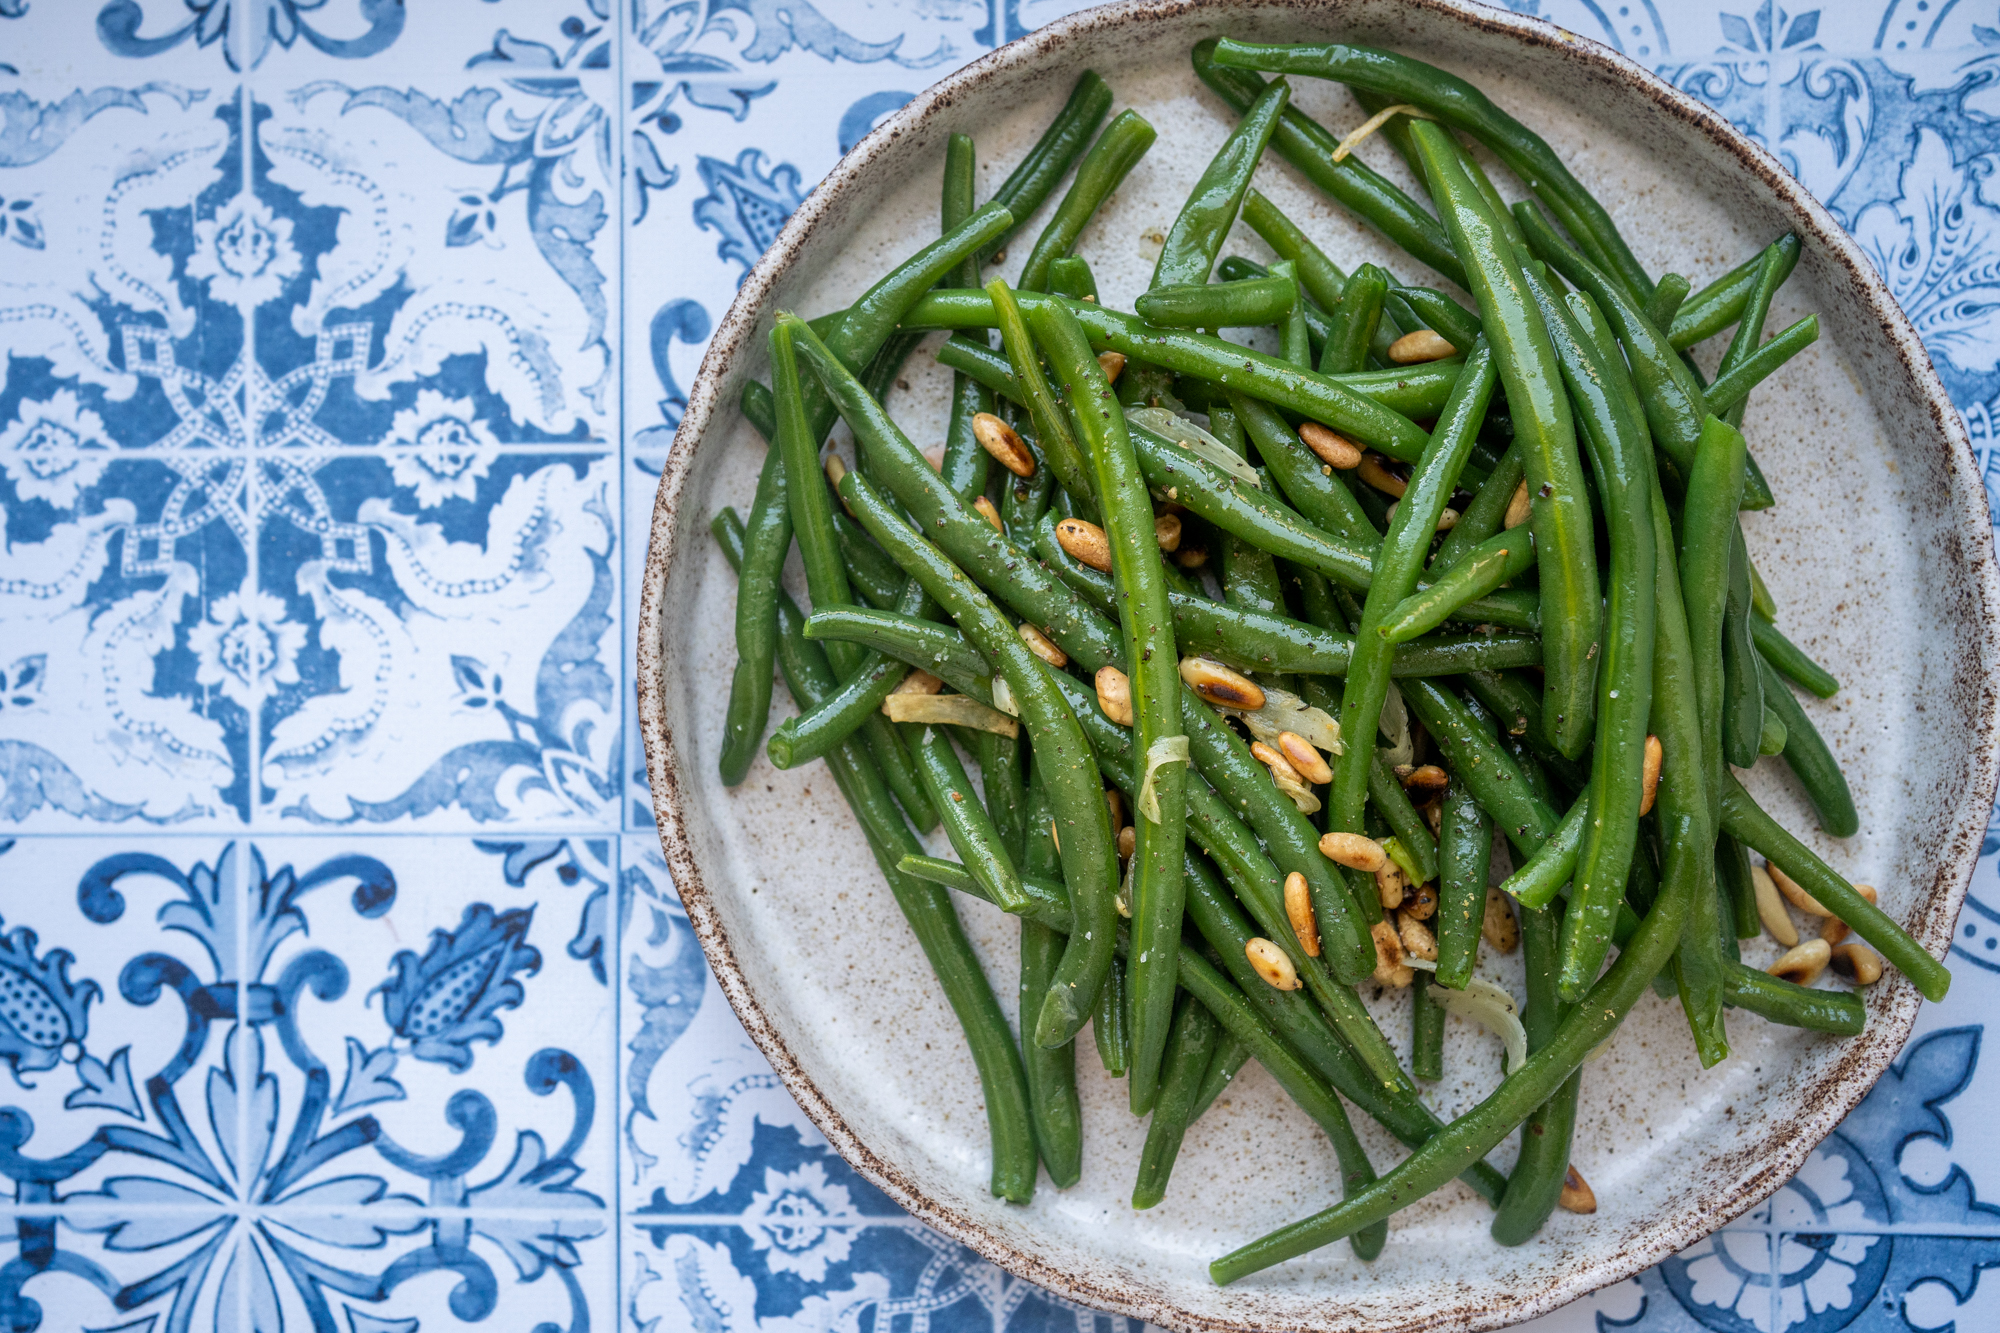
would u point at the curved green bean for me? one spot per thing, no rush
(1190, 1046)
(1536, 881)
(966, 822)
(1219, 305)
(1062, 143)
(1668, 294)
(1790, 660)
(1124, 141)
(1354, 322)
(1483, 570)
(766, 540)
(1322, 279)
(1781, 1001)
(1052, 429)
(1465, 846)
(1195, 239)
(1812, 763)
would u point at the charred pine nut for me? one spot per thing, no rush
(1272, 964)
(1518, 508)
(1304, 757)
(1355, 851)
(1858, 962)
(1421, 903)
(1390, 969)
(1331, 449)
(1389, 885)
(1374, 471)
(1499, 928)
(1001, 440)
(1577, 1196)
(988, 512)
(1425, 777)
(1423, 345)
(1220, 685)
(1114, 695)
(1167, 531)
(1771, 908)
(1803, 963)
(1299, 908)
(1649, 779)
(1112, 364)
(1191, 557)
(1041, 646)
(1085, 543)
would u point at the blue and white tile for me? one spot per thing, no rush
(642, 482)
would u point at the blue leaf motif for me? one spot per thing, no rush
(41, 1009)
(684, 320)
(747, 203)
(446, 1000)
(20, 224)
(1736, 30)
(478, 686)
(109, 1086)
(21, 683)
(1803, 29)
(368, 1079)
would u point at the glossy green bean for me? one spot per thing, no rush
(1426, 1031)
(767, 539)
(1053, 433)
(1465, 844)
(1805, 752)
(1147, 629)
(967, 824)
(1322, 279)
(1294, 335)
(1565, 551)
(1791, 661)
(1219, 305)
(1401, 79)
(1732, 872)
(1536, 881)
(1053, 1104)
(1486, 516)
(1742, 681)
(1773, 267)
(1035, 178)
(1535, 1184)
(1716, 306)
(868, 570)
(961, 171)
(1308, 146)
(966, 463)
(1354, 322)
(1483, 570)
(1229, 1058)
(1124, 141)
(1781, 1001)
(1730, 389)
(1070, 275)
(1668, 294)
(802, 739)
(1707, 537)
(1308, 483)
(1190, 1046)
(1444, 316)
(1488, 771)
(1111, 1024)
(1195, 240)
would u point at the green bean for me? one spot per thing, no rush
(1471, 1136)
(1565, 551)
(1089, 861)
(1426, 1030)
(1052, 430)
(1718, 305)
(1308, 147)
(1680, 808)
(1744, 820)
(1486, 516)
(767, 539)
(1124, 141)
(966, 462)
(1732, 872)
(868, 570)
(1708, 531)
(1354, 322)
(939, 649)
(1070, 275)
(1535, 1184)
(1397, 566)
(1153, 669)
(1790, 660)
(1622, 461)
(1219, 305)
(966, 822)
(1465, 844)
(811, 734)
(1309, 484)
(1062, 143)
(1322, 279)
(1294, 337)
(1001, 778)
(1781, 1001)
(1399, 78)
(1023, 500)
(1111, 1025)
(1812, 763)
(1229, 1058)
(1668, 294)
(1184, 352)
(961, 171)
(1742, 682)
(1732, 388)
(1053, 1104)
(1536, 881)
(1195, 240)
(1483, 570)
(1771, 740)
(927, 909)
(1488, 771)
(1190, 1046)
(1773, 267)
(1452, 321)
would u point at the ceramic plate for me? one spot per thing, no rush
(1879, 553)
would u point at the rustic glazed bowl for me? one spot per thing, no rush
(1879, 553)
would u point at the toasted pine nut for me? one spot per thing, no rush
(835, 469)
(1417, 938)
(1422, 345)
(1001, 440)
(1272, 964)
(1372, 471)
(1858, 962)
(1771, 908)
(1426, 777)
(1518, 508)
(1803, 963)
(1577, 1196)
(1191, 557)
(1795, 895)
(1421, 902)
(919, 682)
(1389, 885)
(1390, 969)
(1833, 930)
(1111, 363)
(988, 512)
(1499, 928)
(1281, 767)
(1167, 531)
(1040, 644)
(1299, 908)
(1433, 812)
(935, 457)
(1221, 686)
(1304, 756)
(1447, 520)
(1085, 543)
(1354, 850)
(1331, 449)
(1649, 774)
(1114, 695)
(1128, 842)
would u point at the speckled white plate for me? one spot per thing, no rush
(1879, 553)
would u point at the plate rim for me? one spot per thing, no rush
(1791, 1141)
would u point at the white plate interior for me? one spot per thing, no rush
(1876, 553)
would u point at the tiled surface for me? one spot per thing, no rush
(344, 987)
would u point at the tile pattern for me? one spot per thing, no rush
(341, 982)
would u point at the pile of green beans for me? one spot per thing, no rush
(1253, 667)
